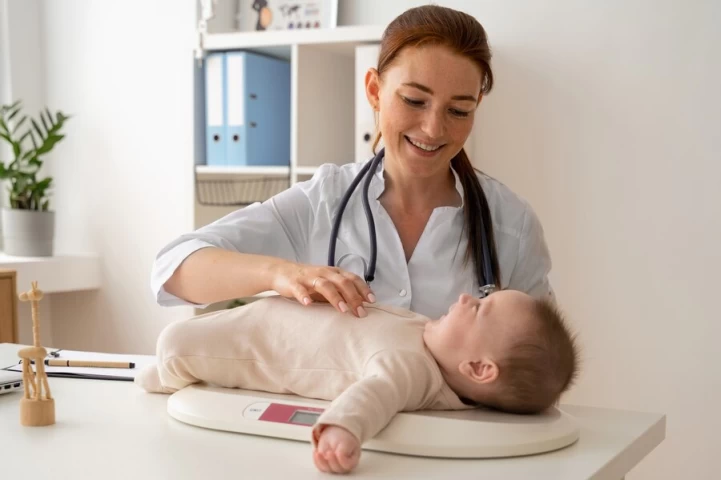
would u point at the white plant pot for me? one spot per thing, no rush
(28, 233)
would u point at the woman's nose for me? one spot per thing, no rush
(433, 125)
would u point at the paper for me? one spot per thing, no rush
(127, 374)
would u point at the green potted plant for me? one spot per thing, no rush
(28, 224)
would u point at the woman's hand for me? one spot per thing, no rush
(344, 290)
(338, 450)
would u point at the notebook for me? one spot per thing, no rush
(126, 374)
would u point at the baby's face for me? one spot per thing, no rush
(475, 327)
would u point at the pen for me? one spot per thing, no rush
(88, 363)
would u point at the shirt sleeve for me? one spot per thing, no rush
(533, 264)
(393, 382)
(278, 227)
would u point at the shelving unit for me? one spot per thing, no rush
(324, 76)
(57, 274)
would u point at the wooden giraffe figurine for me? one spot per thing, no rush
(37, 408)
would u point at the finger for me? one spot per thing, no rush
(320, 462)
(348, 288)
(348, 457)
(363, 288)
(302, 295)
(328, 289)
(333, 462)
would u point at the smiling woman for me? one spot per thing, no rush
(432, 209)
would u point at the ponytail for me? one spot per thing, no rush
(477, 218)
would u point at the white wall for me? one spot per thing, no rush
(606, 116)
(123, 69)
(22, 67)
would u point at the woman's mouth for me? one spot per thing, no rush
(423, 149)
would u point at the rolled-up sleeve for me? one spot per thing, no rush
(278, 227)
(533, 264)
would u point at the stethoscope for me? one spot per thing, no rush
(488, 282)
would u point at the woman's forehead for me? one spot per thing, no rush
(438, 68)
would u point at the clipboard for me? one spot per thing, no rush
(92, 373)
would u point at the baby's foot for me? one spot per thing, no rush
(149, 380)
(338, 450)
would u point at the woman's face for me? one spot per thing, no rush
(426, 101)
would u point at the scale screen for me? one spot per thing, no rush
(304, 418)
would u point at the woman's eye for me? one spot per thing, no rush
(459, 113)
(412, 102)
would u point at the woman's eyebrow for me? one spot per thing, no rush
(428, 90)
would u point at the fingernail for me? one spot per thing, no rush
(371, 298)
(362, 312)
(343, 307)
(306, 301)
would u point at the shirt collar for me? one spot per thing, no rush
(378, 184)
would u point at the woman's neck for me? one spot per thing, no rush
(413, 194)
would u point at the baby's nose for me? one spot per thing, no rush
(465, 298)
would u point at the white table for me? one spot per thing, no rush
(112, 429)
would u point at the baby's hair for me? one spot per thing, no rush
(539, 366)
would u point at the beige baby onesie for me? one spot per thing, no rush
(370, 368)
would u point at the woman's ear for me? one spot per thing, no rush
(373, 87)
(480, 372)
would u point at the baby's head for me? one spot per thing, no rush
(507, 351)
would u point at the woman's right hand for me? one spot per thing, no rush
(344, 290)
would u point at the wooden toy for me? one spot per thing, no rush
(37, 408)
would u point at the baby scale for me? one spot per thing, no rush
(475, 433)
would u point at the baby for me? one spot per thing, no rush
(508, 352)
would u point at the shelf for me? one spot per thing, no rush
(341, 39)
(306, 170)
(280, 171)
(241, 170)
(61, 273)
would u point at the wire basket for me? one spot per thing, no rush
(239, 192)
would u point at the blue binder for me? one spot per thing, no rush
(247, 100)
(215, 114)
(257, 109)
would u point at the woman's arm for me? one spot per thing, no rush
(213, 274)
(533, 264)
(255, 249)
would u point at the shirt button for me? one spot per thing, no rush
(402, 293)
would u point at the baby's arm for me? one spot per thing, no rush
(393, 382)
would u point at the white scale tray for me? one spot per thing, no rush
(473, 433)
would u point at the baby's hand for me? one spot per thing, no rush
(338, 450)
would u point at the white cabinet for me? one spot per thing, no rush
(327, 69)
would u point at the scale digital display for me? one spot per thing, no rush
(304, 418)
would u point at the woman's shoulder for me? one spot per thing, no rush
(509, 210)
(330, 180)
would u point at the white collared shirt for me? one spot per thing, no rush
(296, 225)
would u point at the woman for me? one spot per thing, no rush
(428, 202)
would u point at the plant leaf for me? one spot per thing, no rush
(42, 119)
(37, 129)
(19, 124)
(13, 113)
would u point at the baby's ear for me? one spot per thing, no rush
(480, 372)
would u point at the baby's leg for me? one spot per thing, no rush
(202, 349)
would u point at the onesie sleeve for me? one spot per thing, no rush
(393, 381)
